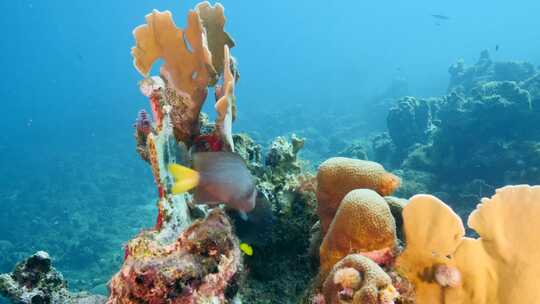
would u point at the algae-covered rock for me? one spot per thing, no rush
(358, 150)
(201, 266)
(34, 280)
(282, 156)
(280, 237)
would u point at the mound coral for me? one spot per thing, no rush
(339, 175)
(363, 223)
(200, 267)
(358, 280)
(500, 267)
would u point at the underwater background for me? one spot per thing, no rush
(71, 183)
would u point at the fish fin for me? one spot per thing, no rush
(184, 177)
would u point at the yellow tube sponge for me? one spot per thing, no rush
(187, 60)
(339, 175)
(363, 223)
(359, 279)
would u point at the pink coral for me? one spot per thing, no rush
(383, 257)
(447, 276)
(318, 299)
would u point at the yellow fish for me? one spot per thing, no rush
(248, 250)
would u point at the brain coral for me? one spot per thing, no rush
(374, 286)
(500, 267)
(339, 175)
(363, 223)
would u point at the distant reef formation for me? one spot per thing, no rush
(482, 135)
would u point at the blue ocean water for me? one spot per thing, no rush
(70, 180)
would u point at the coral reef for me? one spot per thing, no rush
(461, 146)
(464, 78)
(187, 261)
(337, 237)
(35, 280)
(182, 260)
(280, 268)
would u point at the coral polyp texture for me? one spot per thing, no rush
(339, 175)
(363, 223)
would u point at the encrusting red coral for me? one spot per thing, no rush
(200, 267)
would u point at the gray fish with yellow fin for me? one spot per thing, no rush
(217, 177)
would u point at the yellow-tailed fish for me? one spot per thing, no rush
(248, 250)
(185, 178)
(218, 177)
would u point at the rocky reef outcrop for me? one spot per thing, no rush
(480, 136)
(35, 281)
(464, 78)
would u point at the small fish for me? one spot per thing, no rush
(248, 250)
(217, 177)
(496, 47)
(440, 16)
